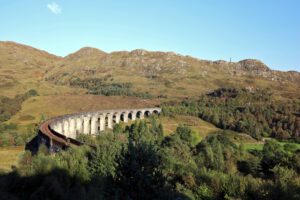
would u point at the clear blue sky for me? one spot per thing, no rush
(268, 30)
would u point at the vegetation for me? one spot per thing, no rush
(138, 162)
(9, 107)
(9, 135)
(10, 157)
(253, 112)
(97, 86)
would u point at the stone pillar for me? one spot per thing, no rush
(72, 128)
(125, 117)
(53, 126)
(102, 122)
(59, 127)
(86, 125)
(142, 112)
(66, 127)
(79, 124)
(133, 115)
(117, 118)
(94, 125)
(109, 121)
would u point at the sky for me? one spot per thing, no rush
(268, 30)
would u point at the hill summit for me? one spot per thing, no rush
(154, 72)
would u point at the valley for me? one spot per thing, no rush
(219, 119)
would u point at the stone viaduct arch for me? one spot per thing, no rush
(60, 132)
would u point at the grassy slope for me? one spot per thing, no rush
(23, 68)
(54, 105)
(201, 127)
(259, 145)
(9, 157)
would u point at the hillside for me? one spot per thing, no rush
(227, 129)
(162, 76)
(175, 75)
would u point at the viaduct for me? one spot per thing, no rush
(60, 132)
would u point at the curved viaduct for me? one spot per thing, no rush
(60, 132)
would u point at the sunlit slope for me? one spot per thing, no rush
(159, 73)
(22, 68)
(55, 105)
(170, 74)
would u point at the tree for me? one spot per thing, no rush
(273, 154)
(138, 173)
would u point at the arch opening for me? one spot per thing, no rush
(122, 117)
(114, 118)
(130, 116)
(106, 121)
(155, 112)
(147, 113)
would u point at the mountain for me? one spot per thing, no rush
(171, 74)
(158, 73)
(85, 53)
(22, 66)
(20, 57)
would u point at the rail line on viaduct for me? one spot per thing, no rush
(60, 132)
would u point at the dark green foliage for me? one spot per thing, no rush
(250, 165)
(139, 176)
(185, 134)
(102, 161)
(9, 107)
(255, 113)
(138, 162)
(9, 135)
(99, 87)
(273, 154)
(32, 93)
(218, 153)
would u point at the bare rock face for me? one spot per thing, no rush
(253, 65)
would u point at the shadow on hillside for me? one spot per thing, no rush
(58, 185)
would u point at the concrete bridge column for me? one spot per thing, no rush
(125, 117)
(109, 121)
(86, 125)
(117, 118)
(66, 127)
(79, 124)
(53, 126)
(72, 128)
(59, 127)
(142, 112)
(94, 125)
(102, 122)
(133, 115)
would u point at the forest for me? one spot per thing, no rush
(9, 135)
(139, 162)
(98, 86)
(256, 112)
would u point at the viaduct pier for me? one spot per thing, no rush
(60, 132)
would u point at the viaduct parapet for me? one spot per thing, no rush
(60, 132)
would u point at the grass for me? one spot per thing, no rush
(202, 128)
(9, 156)
(259, 145)
(253, 146)
(55, 105)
